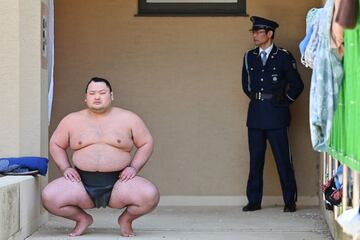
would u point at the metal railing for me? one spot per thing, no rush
(350, 184)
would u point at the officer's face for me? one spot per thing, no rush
(261, 37)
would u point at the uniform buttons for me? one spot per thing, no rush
(262, 89)
(262, 99)
(274, 68)
(261, 79)
(251, 69)
(263, 70)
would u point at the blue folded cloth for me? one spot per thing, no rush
(20, 164)
(303, 44)
(6, 167)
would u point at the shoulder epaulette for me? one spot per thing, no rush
(284, 50)
(252, 50)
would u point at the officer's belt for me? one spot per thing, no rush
(260, 96)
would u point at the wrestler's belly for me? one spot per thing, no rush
(101, 157)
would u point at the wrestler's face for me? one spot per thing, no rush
(98, 97)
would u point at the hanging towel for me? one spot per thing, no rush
(337, 32)
(347, 14)
(325, 81)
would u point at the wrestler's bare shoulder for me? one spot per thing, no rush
(128, 118)
(72, 120)
(124, 113)
(74, 116)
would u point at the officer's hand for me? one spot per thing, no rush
(127, 174)
(72, 175)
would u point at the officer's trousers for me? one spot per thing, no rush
(278, 139)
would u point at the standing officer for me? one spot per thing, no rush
(271, 81)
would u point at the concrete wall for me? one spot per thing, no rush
(20, 210)
(23, 121)
(182, 75)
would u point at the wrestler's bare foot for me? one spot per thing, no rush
(81, 226)
(125, 226)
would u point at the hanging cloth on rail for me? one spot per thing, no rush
(325, 80)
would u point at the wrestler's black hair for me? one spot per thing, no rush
(98, 79)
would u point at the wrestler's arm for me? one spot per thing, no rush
(58, 144)
(144, 143)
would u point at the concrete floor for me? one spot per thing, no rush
(185, 223)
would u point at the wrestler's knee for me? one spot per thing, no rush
(48, 197)
(151, 197)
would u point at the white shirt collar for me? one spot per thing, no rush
(268, 50)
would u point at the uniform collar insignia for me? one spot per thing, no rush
(275, 50)
(255, 51)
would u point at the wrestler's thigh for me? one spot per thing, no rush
(133, 192)
(64, 192)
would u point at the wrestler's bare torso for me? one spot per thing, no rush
(101, 142)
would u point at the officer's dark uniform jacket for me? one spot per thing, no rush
(271, 88)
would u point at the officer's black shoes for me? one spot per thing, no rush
(291, 207)
(251, 207)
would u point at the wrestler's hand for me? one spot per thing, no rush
(127, 174)
(72, 175)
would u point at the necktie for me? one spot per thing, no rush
(263, 57)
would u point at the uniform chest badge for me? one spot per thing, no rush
(274, 77)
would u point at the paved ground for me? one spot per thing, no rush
(196, 223)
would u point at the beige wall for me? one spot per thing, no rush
(182, 75)
(24, 84)
(23, 121)
(9, 75)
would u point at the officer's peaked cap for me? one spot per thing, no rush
(263, 23)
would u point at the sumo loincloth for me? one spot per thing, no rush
(99, 185)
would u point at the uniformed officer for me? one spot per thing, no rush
(271, 81)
